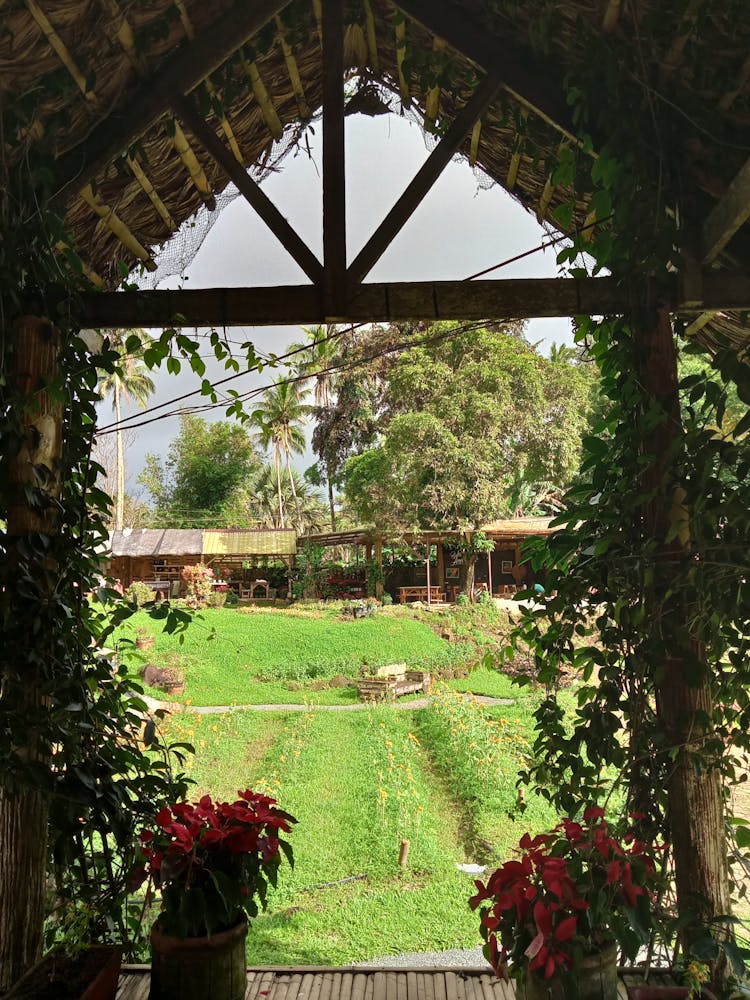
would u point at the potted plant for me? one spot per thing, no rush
(212, 862)
(142, 638)
(553, 918)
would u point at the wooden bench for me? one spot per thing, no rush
(419, 594)
(392, 682)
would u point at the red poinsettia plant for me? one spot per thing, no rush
(569, 894)
(213, 860)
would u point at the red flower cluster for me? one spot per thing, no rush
(211, 858)
(569, 893)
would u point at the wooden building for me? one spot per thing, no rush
(157, 555)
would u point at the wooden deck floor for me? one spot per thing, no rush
(315, 983)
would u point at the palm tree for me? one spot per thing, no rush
(279, 420)
(315, 362)
(130, 381)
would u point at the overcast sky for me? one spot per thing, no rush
(458, 230)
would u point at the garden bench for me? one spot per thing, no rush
(394, 684)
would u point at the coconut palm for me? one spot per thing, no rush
(129, 381)
(261, 501)
(279, 420)
(315, 362)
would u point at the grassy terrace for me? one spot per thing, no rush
(360, 783)
(286, 656)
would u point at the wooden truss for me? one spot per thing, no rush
(337, 292)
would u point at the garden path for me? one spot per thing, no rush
(172, 706)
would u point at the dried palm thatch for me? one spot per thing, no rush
(74, 66)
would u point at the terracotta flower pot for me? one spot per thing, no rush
(198, 968)
(144, 641)
(596, 977)
(92, 975)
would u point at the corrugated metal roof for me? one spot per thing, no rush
(258, 542)
(157, 542)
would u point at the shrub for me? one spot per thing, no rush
(462, 600)
(139, 593)
(387, 599)
(232, 600)
(218, 598)
(198, 589)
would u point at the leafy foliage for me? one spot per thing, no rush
(207, 465)
(466, 415)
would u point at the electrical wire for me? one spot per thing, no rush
(259, 390)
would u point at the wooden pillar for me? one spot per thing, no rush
(683, 696)
(489, 570)
(440, 564)
(33, 469)
(429, 550)
(379, 560)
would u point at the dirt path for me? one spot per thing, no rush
(172, 706)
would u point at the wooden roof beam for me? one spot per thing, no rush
(436, 162)
(508, 298)
(334, 173)
(730, 213)
(178, 75)
(523, 78)
(254, 194)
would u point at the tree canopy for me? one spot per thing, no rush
(464, 415)
(206, 465)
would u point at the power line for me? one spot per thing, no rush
(343, 366)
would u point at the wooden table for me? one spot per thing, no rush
(419, 594)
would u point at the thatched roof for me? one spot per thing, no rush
(256, 542)
(148, 542)
(95, 77)
(512, 530)
(152, 542)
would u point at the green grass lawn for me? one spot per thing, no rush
(360, 783)
(233, 657)
(331, 770)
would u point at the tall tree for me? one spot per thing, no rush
(131, 382)
(279, 420)
(317, 361)
(206, 464)
(466, 416)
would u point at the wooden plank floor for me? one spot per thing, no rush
(315, 983)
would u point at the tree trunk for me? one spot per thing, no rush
(330, 496)
(684, 706)
(120, 503)
(277, 463)
(470, 562)
(23, 814)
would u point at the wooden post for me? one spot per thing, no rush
(489, 569)
(334, 178)
(23, 817)
(696, 810)
(379, 559)
(429, 549)
(440, 564)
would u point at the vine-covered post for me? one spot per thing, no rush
(31, 469)
(684, 700)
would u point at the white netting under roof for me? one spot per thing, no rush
(179, 252)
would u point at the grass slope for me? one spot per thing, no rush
(331, 769)
(234, 657)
